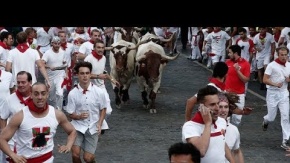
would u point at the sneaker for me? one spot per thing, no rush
(285, 145)
(264, 126)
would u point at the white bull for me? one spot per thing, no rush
(150, 62)
(122, 62)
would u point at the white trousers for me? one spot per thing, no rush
(236, 119)
(278, 99)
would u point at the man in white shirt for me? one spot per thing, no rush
(87, 109)
(24, 58)
(206, 130)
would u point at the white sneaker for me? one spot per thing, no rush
(285, 145)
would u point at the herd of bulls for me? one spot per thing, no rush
(142, 57)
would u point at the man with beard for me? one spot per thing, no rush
(276, 78)
(206, 130)
(32, 123)
(238, 74)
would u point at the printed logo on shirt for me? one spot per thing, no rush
(40, 136)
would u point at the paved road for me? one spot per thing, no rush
(138, 136)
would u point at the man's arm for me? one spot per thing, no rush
(229, 154)
(202, 142)
(266, 80)
(8, 133)
(8, 67)
(101, 119)
(3, 123)
(68, 128)
(281, 41)
(42, 69)
(273, 48)
(189, 107)
(238, 155)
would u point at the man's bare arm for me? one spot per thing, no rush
(8, 132)
(190, 103)
(68, 128)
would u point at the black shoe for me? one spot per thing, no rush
(264, 126)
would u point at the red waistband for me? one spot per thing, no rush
(41, 158)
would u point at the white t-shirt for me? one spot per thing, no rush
(218, 42)
(86, 48)
(55, 60)
(98, 68)
(5, 83)
(278, 73)
(23, 62)
(3, 56)
(285, 35)
(93, 101)
(264, 44)
(216, 148)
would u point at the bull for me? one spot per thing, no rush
(122, 64)
(150, 62)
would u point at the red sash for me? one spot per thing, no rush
(39, 159)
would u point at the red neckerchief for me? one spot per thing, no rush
(91, 41)
(280, 62)
(84, 90)
(262, 36)
(3, 45)
(30, 41)
(198, 119)
(63, 45)
(218, 83)
(22, 47)
(33, 108)
(96, 55)
(20, 97)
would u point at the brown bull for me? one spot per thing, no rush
(150, 62)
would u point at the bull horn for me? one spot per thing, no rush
(167, 40)
(109, 48)
(169, 57)
(138, 29)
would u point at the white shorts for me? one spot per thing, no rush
(262, 62)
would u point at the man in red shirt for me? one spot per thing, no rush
(238, 74)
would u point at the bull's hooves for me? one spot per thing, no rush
(153, 111)
(145, 106)
(118, 106)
